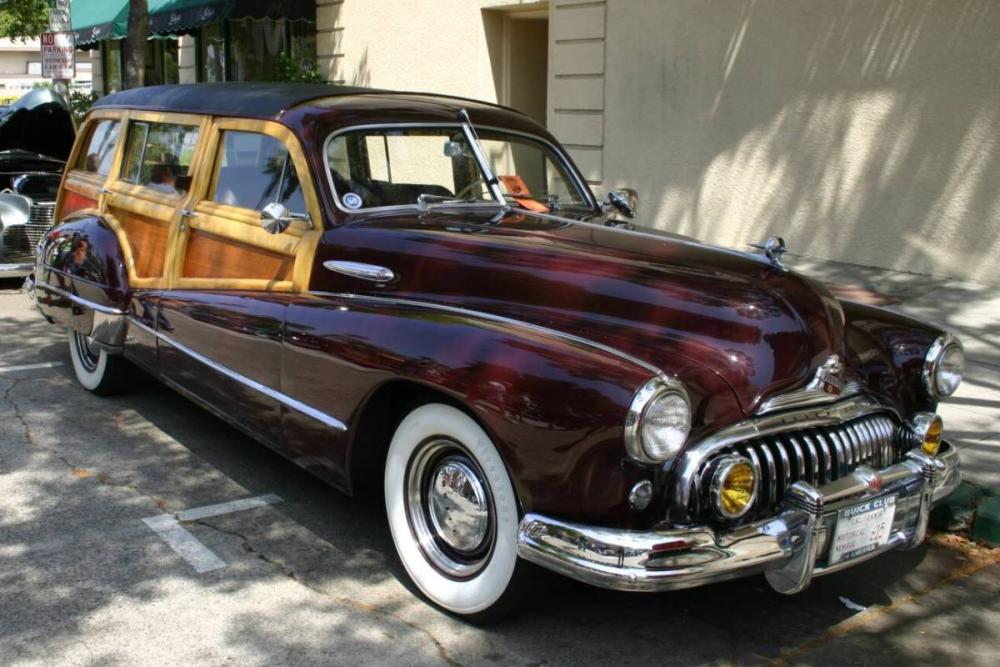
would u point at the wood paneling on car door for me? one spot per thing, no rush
(212, 256)
(147, 238)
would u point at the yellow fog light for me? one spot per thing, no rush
(929, 430)
(734, 487)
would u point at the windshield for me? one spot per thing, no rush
(379, 167)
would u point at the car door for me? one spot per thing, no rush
(222, 319)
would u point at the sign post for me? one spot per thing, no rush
(59, 47)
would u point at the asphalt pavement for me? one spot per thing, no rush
(140, 529)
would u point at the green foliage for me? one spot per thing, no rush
(80, 102)
(23, 18)
(295, 70)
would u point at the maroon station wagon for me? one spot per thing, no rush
(421, 293)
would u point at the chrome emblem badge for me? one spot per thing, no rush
(829, 376)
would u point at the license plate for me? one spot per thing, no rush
(862, 528)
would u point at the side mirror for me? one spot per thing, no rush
(274, 218)
(624, 201)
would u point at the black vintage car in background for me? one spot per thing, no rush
(36, 136)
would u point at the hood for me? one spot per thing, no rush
(665, 299)
(39, 122)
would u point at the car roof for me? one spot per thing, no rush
(252, 99)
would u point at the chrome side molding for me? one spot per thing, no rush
(284, 399)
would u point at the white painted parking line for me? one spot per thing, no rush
(218, 509)
(30, 367)
(186, 545)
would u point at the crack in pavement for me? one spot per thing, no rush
(78, 471)
(343, 601)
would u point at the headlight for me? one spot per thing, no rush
(658, 422)
(734, 487)
(943, 367)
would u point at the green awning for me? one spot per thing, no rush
(168, 16)
(94, 20)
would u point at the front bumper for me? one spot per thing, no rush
(16, 270)
(790, 549)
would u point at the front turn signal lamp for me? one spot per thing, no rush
(929, 431)
(734, 487)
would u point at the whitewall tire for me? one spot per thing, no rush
(95, 369)
(452, 512)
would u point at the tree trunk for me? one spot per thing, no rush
(135, 43)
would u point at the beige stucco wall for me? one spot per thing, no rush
(863, 131)
(432, 45)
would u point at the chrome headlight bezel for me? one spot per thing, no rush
(939, 349)
(646, 396)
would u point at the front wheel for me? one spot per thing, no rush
(453, 514)
(95, 369)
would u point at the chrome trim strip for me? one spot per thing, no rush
(570, 167)
(80, 301)
(244, 380)
(809, 395)
(372, 272)
(456, 310)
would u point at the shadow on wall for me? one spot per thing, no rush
(866, 132)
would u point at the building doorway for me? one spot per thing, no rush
(518, 41)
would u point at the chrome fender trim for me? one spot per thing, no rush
(284, 399)
(500, 319)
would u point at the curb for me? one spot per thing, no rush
(973, 508)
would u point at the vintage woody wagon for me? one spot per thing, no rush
(421, 293)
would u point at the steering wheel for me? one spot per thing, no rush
(467, 190)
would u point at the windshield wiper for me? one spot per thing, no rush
(427, 201)
(492, 182)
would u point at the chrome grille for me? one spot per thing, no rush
(818, 455)
(20, 241)
(39, 222)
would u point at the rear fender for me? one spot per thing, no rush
(81, 281)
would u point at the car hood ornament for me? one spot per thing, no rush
(774, 247)
(829, 377)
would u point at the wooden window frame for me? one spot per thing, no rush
(242, 225)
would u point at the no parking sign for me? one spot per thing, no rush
(58, 55)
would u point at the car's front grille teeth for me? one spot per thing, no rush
(818, 455)
(20, 241)
(39, 222)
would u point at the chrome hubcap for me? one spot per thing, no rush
(458, 505)
(450, 508)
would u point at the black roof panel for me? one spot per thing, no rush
(254, 99)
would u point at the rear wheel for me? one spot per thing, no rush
(453, 514)
(95, 369)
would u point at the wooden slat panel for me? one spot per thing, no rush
(148, 238)
(75, 201)
(212, 256)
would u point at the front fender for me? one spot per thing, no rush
(888, 350)
(555, 406)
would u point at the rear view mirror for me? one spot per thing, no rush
(456, 149)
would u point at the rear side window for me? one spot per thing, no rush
(254, 170)
(100, 151)
(159, 155)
